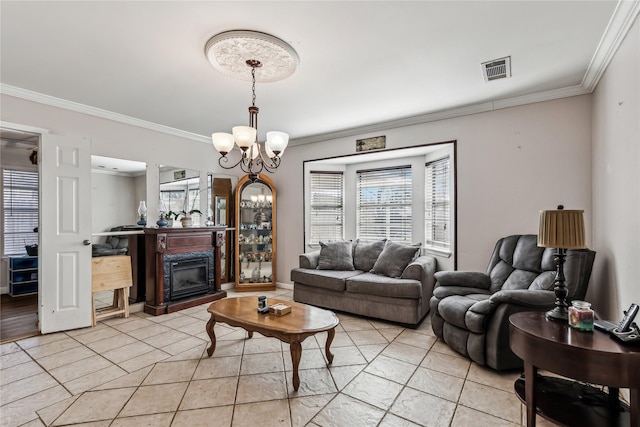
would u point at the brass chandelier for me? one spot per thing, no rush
(231, 52)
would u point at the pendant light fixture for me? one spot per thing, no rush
(263, 58)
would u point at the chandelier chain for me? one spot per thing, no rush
(253, 86)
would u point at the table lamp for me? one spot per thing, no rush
(561, 229)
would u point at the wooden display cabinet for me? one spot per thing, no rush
(255, 237)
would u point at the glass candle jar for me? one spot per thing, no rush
(581, 316)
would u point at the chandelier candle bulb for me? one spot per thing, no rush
(277, 141)
(223, 142)
(244, 136)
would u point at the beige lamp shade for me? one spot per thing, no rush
(562, 229)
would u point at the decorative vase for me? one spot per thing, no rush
(142, 212)
(162, 222)
(186, 222)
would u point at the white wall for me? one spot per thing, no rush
(511, 163)
(616, 181)
(113, 202)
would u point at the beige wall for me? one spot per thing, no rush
(511, 164)
(616, 181)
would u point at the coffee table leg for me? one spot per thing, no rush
(296, 354)
(330, 334)
(210, 324)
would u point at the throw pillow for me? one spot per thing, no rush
(394, 258)
(336, 255)
(365, 254)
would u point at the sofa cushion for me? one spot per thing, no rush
(371, 284)
(326, 279)
(365, 254)
(336, 255)
(394, 258)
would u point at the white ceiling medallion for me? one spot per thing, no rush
(229, 51)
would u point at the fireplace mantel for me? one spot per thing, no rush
(160, 242)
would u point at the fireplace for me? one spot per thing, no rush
(188, 274)
(181, 268)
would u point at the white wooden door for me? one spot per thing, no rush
(65, 233)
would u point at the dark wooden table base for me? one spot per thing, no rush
(572, 403)
(294, 341)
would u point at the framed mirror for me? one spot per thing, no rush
(180, 197)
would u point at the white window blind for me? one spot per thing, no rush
(438, 206)
(20, 210)
(327, 206)
(384, 204)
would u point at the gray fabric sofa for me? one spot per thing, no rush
(398, 291)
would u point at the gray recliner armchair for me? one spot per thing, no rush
(470, 310)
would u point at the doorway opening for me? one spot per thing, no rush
(19, 213)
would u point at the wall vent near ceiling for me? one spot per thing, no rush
(496, 69)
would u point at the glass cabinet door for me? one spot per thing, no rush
(255, 234)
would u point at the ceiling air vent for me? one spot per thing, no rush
(496, 69)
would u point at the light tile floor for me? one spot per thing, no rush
(153, 370)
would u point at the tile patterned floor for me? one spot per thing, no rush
(153, 370)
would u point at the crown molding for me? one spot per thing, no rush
(621, 21)
(484, 107)
(96, 112)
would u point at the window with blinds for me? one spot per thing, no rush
(173, 200)
(327, 207)
(437, 201)
(384, 204)
(20, 203)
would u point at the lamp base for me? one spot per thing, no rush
(557, 313)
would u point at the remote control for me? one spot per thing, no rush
(626, 321)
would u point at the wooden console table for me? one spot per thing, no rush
(593, 357)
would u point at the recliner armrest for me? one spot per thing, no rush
(525, 297)
(466, 279)
(447, 291)
(309, 259)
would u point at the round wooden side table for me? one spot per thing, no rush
(593, 357)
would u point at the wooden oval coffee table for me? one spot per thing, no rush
(293, 328)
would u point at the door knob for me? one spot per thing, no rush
(86, 242)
